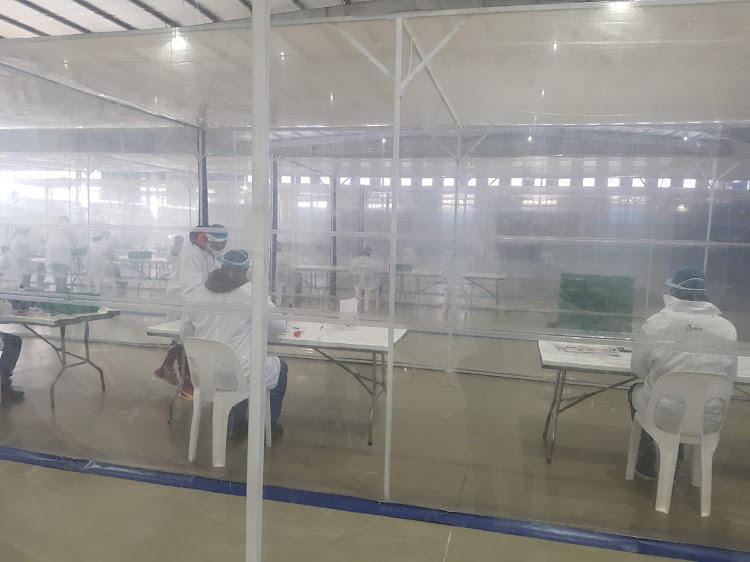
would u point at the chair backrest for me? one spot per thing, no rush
(213, 366)
(696, 389)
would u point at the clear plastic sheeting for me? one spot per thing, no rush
(507, 177)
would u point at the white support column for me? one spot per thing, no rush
(259, 220)
(395, 185)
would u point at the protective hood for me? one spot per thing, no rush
(693, 307)
(226, 279)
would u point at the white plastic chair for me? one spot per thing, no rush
(217, 377)
(367, 284)
(696, 389)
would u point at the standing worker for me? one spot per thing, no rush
(20, 257)
(197, 260)
(60, 243)
(102, 255)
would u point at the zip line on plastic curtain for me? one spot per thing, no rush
(261, 25)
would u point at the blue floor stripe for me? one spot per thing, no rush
(531, 529)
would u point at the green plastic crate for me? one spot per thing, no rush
(596, 303)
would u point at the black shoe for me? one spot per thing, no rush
(11, 396)
(277, 432)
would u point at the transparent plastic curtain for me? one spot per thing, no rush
(330, 182)
(492, 166)
(104, 132)
(545, 193)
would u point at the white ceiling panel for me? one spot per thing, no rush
(32, 18)
(128, 12)
(10, 31)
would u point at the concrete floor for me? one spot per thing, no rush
(119, 520)
(461, 442)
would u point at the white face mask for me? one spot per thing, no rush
(681, 288)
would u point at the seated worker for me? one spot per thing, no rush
(366, 271)
(103, 253)
(196, 261)
(11, 346)
(227, 288)
(688, 318)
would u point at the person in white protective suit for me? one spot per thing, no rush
(229, 288)
(197, 261)
(367, 273)
(103, 254)
(687, 318)
(60, 243)
(21, 251)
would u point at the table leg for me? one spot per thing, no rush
(181, 365)
(497, 296)
(552, 415)
(63, 366)
(374, 396)
(88, 355)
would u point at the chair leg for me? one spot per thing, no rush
(707, 459)
(695, 465)
(219, 429)
(635, 439)
(195, 424)
(667, 465)
(268, 418)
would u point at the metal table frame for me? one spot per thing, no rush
(62, 352)
(374, 383)
(556, 406)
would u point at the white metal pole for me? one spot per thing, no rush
(260, 238)
(395, 184)
(712, 183)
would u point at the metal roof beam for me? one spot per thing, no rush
(57, 17)
(106, 15)
(21, 25)
(203, 10)
(70, 85)
(247, 4)
(154, 12)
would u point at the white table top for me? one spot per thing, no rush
(152, 259)
(314, 334)
(38, 318)
(470, 275)
(602, 358)
(313, 267)
(413, 272)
